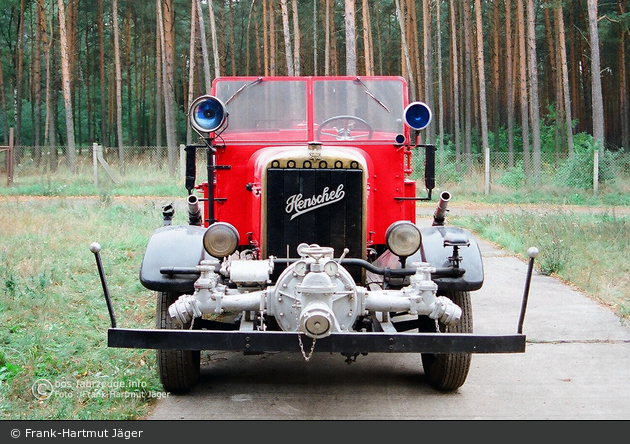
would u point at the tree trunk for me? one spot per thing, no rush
(596, 81)
(455, 81)
(522, 57)
(380, 41)
(334, 54)
(351, 39)
(159, 82)
(483, 110)
(564, 76)
(166, 39)
(468, 62)
(204, 48)
(327, 39)
(624, 104)
(40, 31)
(272, 39)
(426, 57)
(102, 80)
(495, 83)
(231, 32)
(265, 37)
(296, 39)
(215, 43)
(18, 84)
(66, 85)
(3, 104)
(552, 82)
(509, 79)
(130, 74)
(440, 99)
(287, 37)
(368, 53)
(191, 64)
(118, 70)
(533, 84)
(259, 64)
(315, 72)
(52, 96)
(405, 47)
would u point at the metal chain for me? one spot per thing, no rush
(306, 358)
(310, 354)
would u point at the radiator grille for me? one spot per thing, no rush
(321, 206)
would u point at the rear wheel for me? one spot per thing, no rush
(448, 371)
(178, 369)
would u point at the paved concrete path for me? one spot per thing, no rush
(576, 366)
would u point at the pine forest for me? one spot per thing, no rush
(524, 77)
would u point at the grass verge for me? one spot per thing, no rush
(585, 250)
(53, 316)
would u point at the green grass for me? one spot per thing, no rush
(589, 251)
(472, 189)
(53, 316)
(137, 180)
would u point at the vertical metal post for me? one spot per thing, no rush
(532, 253)
(211, 176)
(96, 248)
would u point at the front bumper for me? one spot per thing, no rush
(346, 343)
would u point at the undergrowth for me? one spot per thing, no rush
(587, 250)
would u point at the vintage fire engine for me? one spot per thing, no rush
(303, 237)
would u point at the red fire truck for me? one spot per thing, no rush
(302, 235)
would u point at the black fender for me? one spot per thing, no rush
(178, 246)
(436, 254)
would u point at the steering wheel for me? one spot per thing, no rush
(343, 132)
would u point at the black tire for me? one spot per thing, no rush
(448, 372)
(178, 369)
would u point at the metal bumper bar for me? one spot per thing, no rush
(355, 342)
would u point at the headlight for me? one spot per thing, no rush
(403, 238)
(207, 114)
(220, 239)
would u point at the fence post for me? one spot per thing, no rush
(487, 170)
(595, 171)
(10, 159)
(97, 155)
(95, 149)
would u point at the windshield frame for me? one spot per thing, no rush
(291, 109)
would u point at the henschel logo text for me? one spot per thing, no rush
(297, 205)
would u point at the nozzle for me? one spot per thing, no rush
(168, 211)
(194, 214)
(440, 211)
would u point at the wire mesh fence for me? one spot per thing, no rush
(496, 172)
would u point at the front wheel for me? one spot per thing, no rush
(448, 371)
(178, 369)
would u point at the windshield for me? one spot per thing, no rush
(272, 109)
(378, 103)
(264, 109)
